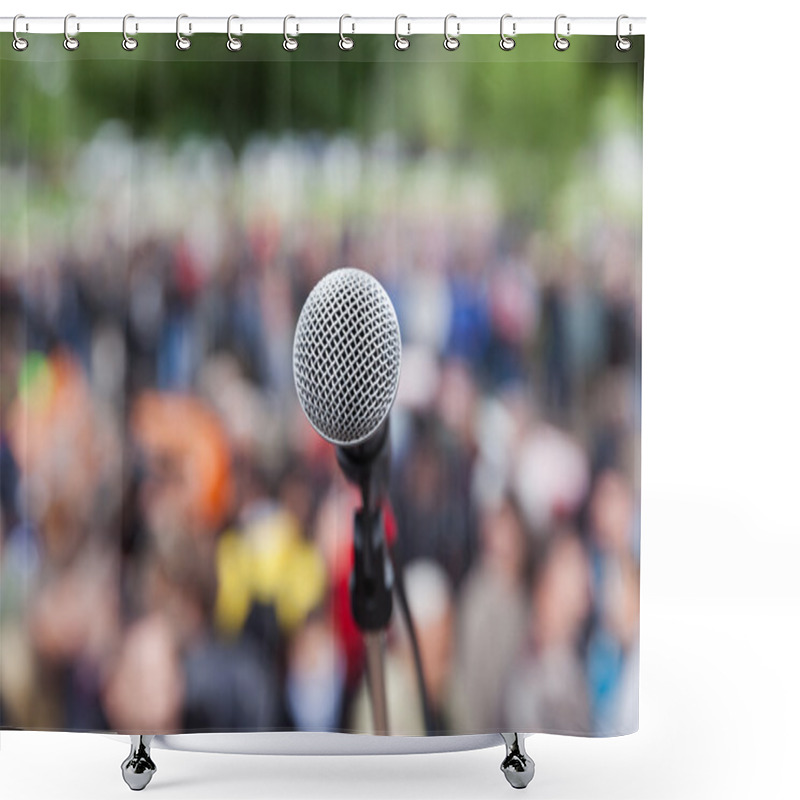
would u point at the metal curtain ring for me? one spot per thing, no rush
(400, 42)
(128, 42)
(623, 44)
(289, 43)
(451, 42)
(506, 42)
(182, 43)
(70, 42)
(234, 43)
(19, 44)
(345, 42)
(560, 43)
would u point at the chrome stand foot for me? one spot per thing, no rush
(517, 766)
(138, 768)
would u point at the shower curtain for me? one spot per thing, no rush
(176, 539)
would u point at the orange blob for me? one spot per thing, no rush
(182, 430)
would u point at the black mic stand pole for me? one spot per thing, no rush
(372, 579)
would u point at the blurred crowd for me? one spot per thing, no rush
(176, 539)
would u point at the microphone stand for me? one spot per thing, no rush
(372, 579)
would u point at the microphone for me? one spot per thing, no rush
(346, 371)
(347, 353)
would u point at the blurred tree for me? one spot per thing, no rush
(505, 106)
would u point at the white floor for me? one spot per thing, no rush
(719, 704)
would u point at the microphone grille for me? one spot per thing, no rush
(347, 356)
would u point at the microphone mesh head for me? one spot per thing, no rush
(347, 356)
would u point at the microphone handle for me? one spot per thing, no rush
(372, 578)
(367, 466)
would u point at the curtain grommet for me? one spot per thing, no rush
(182, 42)
(128, 42)
(507, 42)
(560, 43)
(19, 44)
(234, 43)
(623, 44)
(401, 42)
(345, 42)
(451, 42)
(290, 43)
(70, 42)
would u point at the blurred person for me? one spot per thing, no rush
(551, 475)
(144, 310)
(182, 501)
(557, 367)
(622, 306)
(492, 611)
(499, 425)
(268, 561)
(430, 601)
(69, 460)
(300, 495)
(514, 319)
(457, 401)
(333, 538)
(279, 316)
(146, 685)
(585, 326)
(55, 306)
(178, 351)
(316, 672)
(188, 487)
(431, 496)
(231, 685)
(73, 624)
(67, 450)
(625, 715)
(232, 311)
(468, 336)
(254, 428)
(74, 318)
(306, 446)
(612, 515)
(311, 243)
(614, 418)
(573, 333)
(109, 365)
(424, 307)
(9, 483)
(615, 619)
(18, 567)
(547, 690)
(420, 381)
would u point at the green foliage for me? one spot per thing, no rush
(506, 107)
